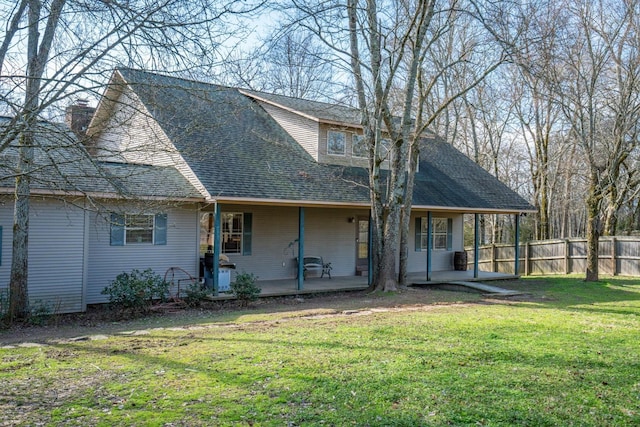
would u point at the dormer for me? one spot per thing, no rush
(329, 133)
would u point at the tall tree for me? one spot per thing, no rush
(385, 52)
(593, 59)
(55, 49)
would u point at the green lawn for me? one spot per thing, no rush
(568, 356)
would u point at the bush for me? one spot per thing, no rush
(39, 313)
(244, 288)
(195, 294)
(137, 290)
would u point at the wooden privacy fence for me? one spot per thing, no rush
(617, 256)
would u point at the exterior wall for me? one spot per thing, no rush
(441, 260)
(131, 135)
(56, 253)
(328, 234)
(348, 159)
(303, 130)
(105, 262)
(70, 247)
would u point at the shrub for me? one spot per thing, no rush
(137, 290)
(244, 288)
(39, 313)
(195, 294)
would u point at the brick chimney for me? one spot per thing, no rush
(78, 116)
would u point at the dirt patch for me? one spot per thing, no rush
(98, 321)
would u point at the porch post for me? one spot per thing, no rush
(517, 246)
(429, 245)
(300, 248)
(216, 246)
(476, 245)
(369, 251)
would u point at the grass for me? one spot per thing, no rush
(569, 355)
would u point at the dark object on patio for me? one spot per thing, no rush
(460, 261)
(315, 263)
(223, 262)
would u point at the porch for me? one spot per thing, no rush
(314, 285)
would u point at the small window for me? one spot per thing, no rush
(358, 146)
(336, 143)
(133, 229)
(441, 234)
(138, 229)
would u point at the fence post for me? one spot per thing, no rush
(614, 256)
(567, 268)
(527, 255)
(494, 263)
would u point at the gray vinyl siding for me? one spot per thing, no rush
(328, 234)
(441, 260)
(56, 254)
(106, 261)
(303, 130)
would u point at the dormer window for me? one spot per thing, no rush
(359, 146)
(336, 143)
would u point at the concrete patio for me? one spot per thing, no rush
(314, 285)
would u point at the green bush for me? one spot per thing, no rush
(244, 288)
(39, 313)
(137, 290)
(195, 294)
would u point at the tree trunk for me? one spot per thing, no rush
(37, 56)
(18, 284)
(593, 209)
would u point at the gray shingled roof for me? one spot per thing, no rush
(319, 110)
(62, 165)
(237, 150)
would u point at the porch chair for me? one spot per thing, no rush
(315, 263)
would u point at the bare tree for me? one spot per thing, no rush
(69, 44)
(385, 51)
(594, 61)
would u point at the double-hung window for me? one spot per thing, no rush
(133, 229)
(336, 143)
(231, 227)
(235, 232)
(441, 234)
(358, 146)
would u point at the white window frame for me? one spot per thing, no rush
(227, 236)
(336, 133)
(439, 237)
(130, 230)
(355, 136)
(439, 233)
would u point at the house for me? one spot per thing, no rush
(178, 166)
